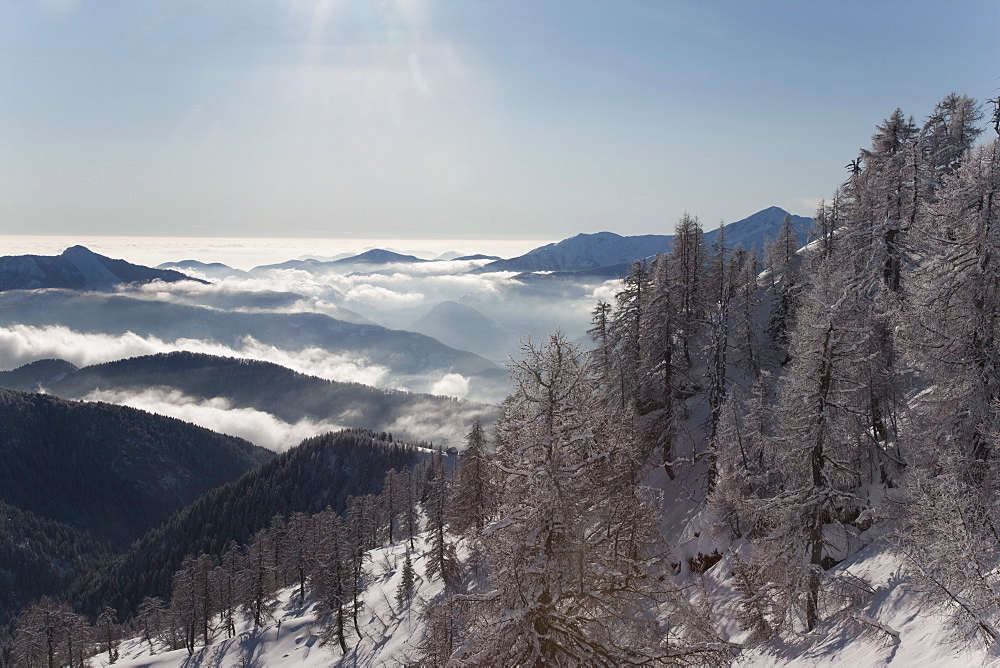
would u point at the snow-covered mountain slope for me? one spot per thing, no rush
(753, 231)
(298, 636)
(77, 268)
(899, 627)
(603, 249)
(584, 251)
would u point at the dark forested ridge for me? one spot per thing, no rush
(269, 387)
(112, 471)
(39, 557)
(35, 375)
(321, 472)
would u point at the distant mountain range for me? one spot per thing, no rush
(77, 268)
(214, 270)
(586, 252)
(375, 256)
(477, 256)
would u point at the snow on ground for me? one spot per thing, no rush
(899, 627)
(921, 639)
(391, 633)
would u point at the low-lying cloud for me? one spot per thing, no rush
(424, 421)
(399, 286)
(452, 385)
(605, 292)
(20, 344)
(218, 414)
(398, 296)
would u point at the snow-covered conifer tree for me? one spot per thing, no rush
(949, 526)
(688, 289)
(576, 563)
(333, 575)
(109, 632)
(821, 452)
(474, 496)
(442, 560)
(404, 591)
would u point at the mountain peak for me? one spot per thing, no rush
(77, 250)
(378, 256)
(77, 268)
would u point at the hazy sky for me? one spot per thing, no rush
(485, 118)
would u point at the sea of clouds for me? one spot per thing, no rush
(394, 296)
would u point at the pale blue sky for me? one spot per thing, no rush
(480, 118)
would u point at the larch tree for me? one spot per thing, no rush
(257, 576)
(785, 271)
(663, 372)
(599, 332)
(820, 452)
(40, 628)
(442, 560)
(953, 481)
(626, 333)
(109, 632)
(576, 564)
(474, 495)
(886, 200)
(746, 328)
(947, 136)
(334, 577)
(719, 326)
(688, 259)
(150, 618)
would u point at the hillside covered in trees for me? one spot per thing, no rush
(112, 471)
